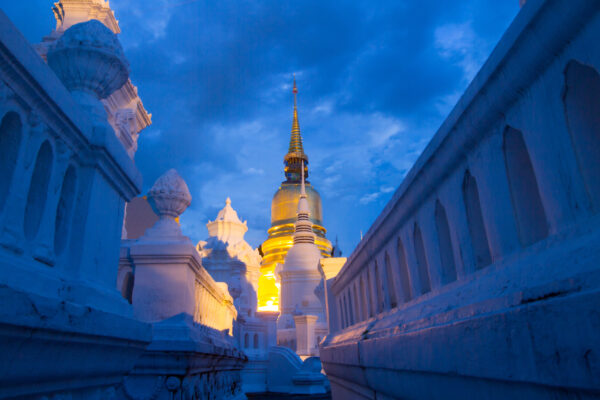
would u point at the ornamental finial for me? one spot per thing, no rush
(296, 139)
(295, 91)
(295, 152)
(169, 197)
(89, 60)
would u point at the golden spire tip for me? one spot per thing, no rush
(295, 91)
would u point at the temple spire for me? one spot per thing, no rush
(295, 152)
(303, 232)
(295, 91)
(296, 138)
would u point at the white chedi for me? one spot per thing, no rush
(229, 258)
(299, 274)
(227, 227)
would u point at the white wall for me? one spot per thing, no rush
(518, 131)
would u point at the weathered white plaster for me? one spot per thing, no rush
(305, 334)
(65, 179)
(257, 334)
(287, 373)
(329, 268)
(186, 361)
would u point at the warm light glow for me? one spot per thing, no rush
(275, 248)
(269, 307)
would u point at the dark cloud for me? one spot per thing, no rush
(376, 79)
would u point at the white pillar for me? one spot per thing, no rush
(305, 334)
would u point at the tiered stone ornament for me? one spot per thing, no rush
(89, 60)
(169, 198)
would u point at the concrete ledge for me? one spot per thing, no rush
(471, 356)
(85, 347)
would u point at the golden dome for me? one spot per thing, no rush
(285, 204)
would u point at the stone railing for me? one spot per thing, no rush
(165, 268)
(494, 230)
(214, 305)
(64, 180)
(193, 354)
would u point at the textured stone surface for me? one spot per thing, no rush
(65, 331)
(89, 57)
(186, 361)
(480, 277)
(89, 60)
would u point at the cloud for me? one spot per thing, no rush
(375, 83)
(254, 171)
(369, 198)
(458, 43)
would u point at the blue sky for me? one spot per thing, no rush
(375, 80)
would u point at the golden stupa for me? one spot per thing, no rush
(283, 215)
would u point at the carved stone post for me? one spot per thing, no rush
(89, 61)
(169, 197)
(166, 262)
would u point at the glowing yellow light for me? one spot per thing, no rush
(275, 249)
(268, 308)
